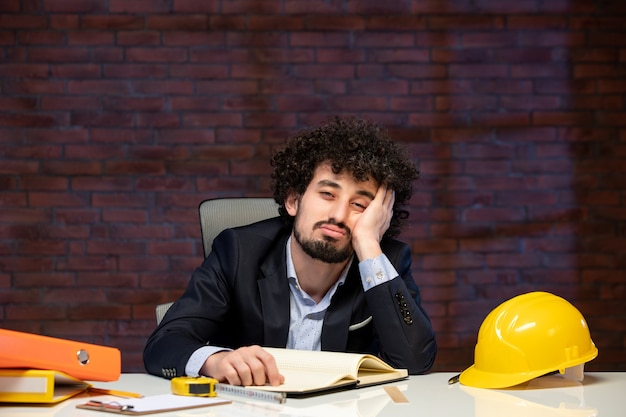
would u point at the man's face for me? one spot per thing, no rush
(327, 212)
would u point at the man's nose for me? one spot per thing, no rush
(339, 212)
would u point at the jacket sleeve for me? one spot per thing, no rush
(189, 323)
(405, 334)
(221, 305)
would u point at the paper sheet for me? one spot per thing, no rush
(154, 403)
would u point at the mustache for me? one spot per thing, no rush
(333, 223)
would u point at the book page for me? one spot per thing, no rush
(335, 363)
(306, 370)
(302, 381)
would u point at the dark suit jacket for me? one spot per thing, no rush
(239, 296)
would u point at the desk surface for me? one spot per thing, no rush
(601, 394)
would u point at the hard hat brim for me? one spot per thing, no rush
(473, 377)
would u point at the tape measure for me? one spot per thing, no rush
(196, 386)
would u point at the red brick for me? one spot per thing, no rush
(75, 6)
(450, 262)
(189, 136)
(251, 7)
(199, 71)
(433, 246)
(56, 199)
(157, 54)
(26, 120)
(71, 168)
(91, 38)
(99, 311)
(170, 248)
(235, 87)
(7, 38)
(199, 22)
(24, 70)
(13, 199)
(358, 103)
(194, 6)
(384, 39)
(115, 248)
(464, 55)
(124, 216)
(34, 312)
(459, 6)
(320, 39)
(111, 119)
(217, 186)
(489, 40)
(312, 6)
(10, 6)
(143, 264)
(7, 183)
(164, 184)
(266, 119)
(157, 120)
(26, 21)
(64, 21)
(118, 199)
(118, 22)
(300, 103)
(34, 279)
(140, 6)
(285, 23)
(52, 135)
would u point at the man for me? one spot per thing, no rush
(325, 275)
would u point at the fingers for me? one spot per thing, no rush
(387, 195)
(387, 198)
(371, 226)
(250, 365)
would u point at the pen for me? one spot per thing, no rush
(454, 379)
(253, 394)
(117, 393)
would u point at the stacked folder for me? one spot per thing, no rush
(42, 369)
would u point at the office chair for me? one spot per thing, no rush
(223, 213)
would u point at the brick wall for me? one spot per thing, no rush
(118, 117)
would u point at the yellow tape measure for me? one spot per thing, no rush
(200, 387)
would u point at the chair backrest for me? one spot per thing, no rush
(223, 213)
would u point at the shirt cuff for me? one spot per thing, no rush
(197, 359)
(376, 271)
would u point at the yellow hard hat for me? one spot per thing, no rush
(528, 336)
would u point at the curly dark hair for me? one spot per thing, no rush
(355, 145)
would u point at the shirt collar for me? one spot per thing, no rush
(293, 277)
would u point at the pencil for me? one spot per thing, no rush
(117, 393)
(454, 379)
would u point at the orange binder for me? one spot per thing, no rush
(80, 360)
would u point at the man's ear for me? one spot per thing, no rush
(291, 204)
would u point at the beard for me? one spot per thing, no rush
(324, 250)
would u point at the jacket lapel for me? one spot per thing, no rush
(339, 313)
(274, 292)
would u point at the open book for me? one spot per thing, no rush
(308, 372)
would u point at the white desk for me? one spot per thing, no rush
(601, 394)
